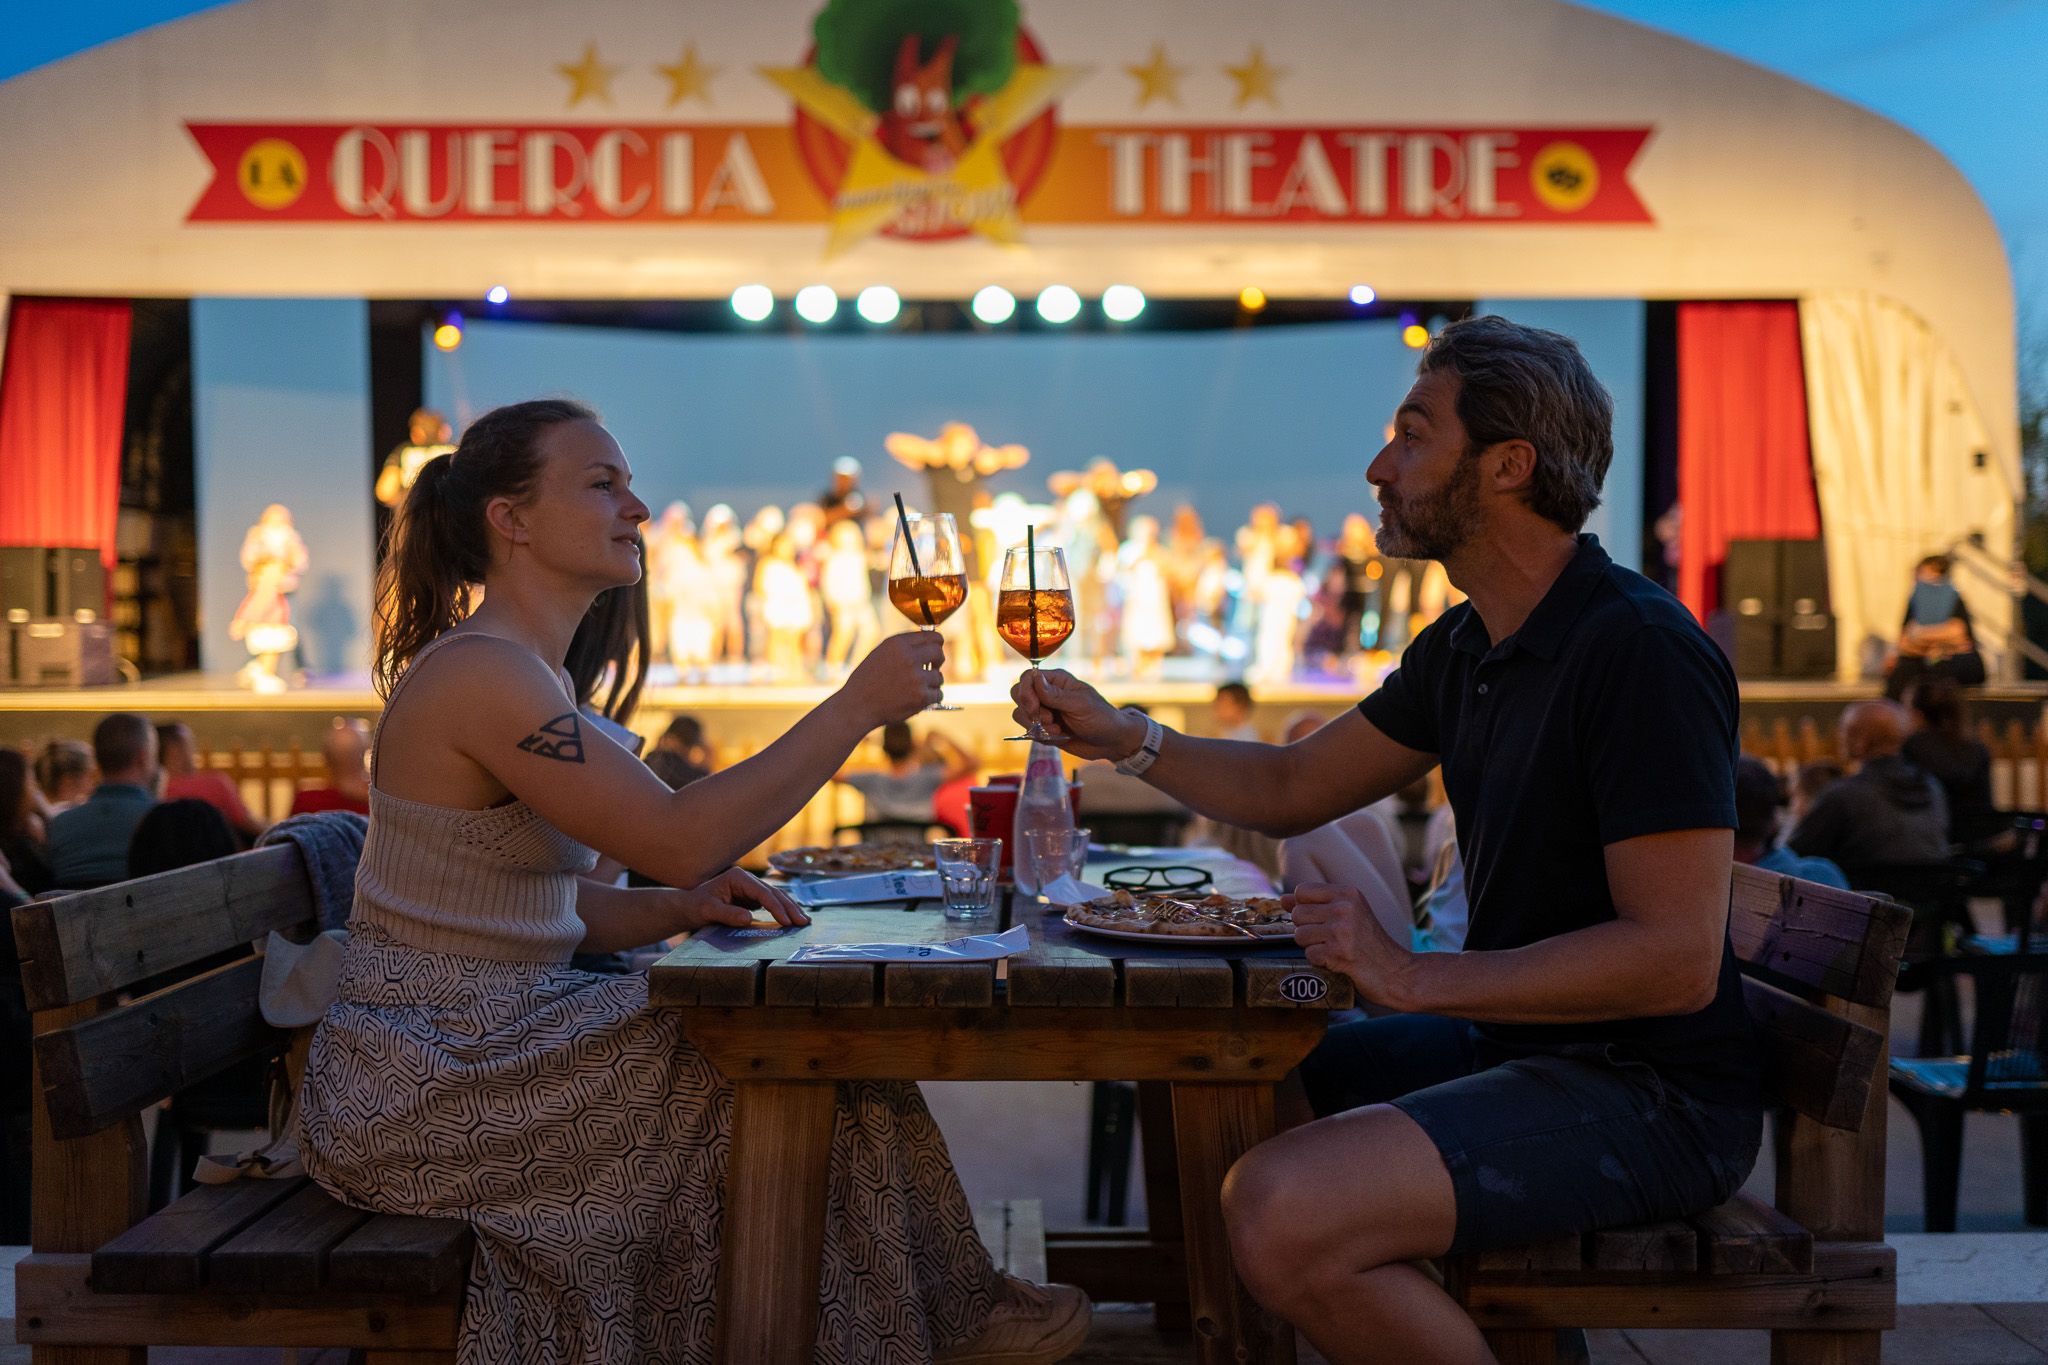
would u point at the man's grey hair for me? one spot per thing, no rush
(1524, 383)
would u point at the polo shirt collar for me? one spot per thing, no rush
(1543, 633)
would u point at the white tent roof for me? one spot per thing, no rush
(1755, 185)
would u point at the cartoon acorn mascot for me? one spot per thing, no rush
(921, 66)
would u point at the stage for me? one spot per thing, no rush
(743, 712)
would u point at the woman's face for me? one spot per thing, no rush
(584, 519)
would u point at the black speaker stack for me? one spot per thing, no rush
(53, 602)
(1775, 619)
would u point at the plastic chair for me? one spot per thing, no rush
(1938, 893)
(2005, 1071)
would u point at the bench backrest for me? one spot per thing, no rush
(1819, 965)
(100, 1060)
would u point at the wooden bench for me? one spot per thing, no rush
(254, 1262)
(1818, 970)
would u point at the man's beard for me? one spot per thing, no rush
(1436, 525)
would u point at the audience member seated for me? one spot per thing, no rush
(1936, 638)
(1232, 710)
(685, 738)
(16, 1088)
(65, 773)
(89, 842)
(1942, 745)
(1809, 780)
(184, 780)
(174, 834)
(1759, 796)
(345, 750)
(911, 775)
(1886, 810)
(24, 829)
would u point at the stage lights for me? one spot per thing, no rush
(994, 305)
(878, 304)
(1363, 295)
(1415, 336)
(448, 335)
(1058, 304)
(817, 304)
(1122, 302)
(753, 302)
(497, 293)
(1251, 298)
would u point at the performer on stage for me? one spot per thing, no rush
(427, 435)
(1146, 628)
(274, 557)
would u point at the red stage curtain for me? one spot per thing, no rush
(62, 398)
(1744, 468)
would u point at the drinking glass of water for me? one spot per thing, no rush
(967, 872)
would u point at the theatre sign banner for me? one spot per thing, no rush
(918, 123)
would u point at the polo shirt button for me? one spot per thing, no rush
(1482, 689)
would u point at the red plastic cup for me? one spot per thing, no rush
(992, 813)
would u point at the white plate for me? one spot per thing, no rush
(809, 873)
(1182, 940)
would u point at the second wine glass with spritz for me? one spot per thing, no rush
(927, 576)
(1034, 605)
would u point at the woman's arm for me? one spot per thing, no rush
(505, 712)
(616, 918)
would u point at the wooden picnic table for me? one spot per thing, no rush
(1220, 1027)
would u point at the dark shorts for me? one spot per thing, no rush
(1544, 1145)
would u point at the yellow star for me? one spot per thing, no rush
(1256, 80)
(1158, 78)
(588, 77)
(689, 78)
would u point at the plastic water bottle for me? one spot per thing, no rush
(1041, 804)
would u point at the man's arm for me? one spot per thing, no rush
(1273, 788)
(1660, 955)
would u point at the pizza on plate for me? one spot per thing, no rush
(847, 860)
(1185, 916)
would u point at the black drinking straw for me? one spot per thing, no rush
(924, 602)
(1031, 578)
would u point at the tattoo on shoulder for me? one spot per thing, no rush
(561, 738)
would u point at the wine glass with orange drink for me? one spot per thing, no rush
(1034, 605)
(927, 576)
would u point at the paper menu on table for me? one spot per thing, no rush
(874, 887)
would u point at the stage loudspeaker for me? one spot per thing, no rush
(1803, 577)
(22, 580)
(60, 653)
(1750, 578)
(43, 581)
(1753, 646)
(1806, 646)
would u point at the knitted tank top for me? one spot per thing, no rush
(496, 883)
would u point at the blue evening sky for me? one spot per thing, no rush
(1965, 74)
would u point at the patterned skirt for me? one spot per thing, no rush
(586, 1141)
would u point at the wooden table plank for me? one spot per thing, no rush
(1292, 983)
(774, 1221)
(938, 985)
(1185, 981)
(1001, 1044)
(725, 966)
(830, 984)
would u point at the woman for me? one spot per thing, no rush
(23, 826)
(1941, 744)
(465, 1072)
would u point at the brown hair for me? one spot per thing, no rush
(440, 546)
(14, 796)
(613, 637)
(1525, 383)
(122, 741)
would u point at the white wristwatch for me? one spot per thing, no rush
(1148, 751)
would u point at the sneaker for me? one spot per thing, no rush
(1033, 1324)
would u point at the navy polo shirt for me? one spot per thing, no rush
(1607, 716)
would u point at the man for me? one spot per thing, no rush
(344, 751)
(1232, 709)
(1587, 1061)
(89, 842)
(911, 774)
(1759, 796)
(1886, 810)
(183, 780)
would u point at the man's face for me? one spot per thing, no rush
(1428, 487)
